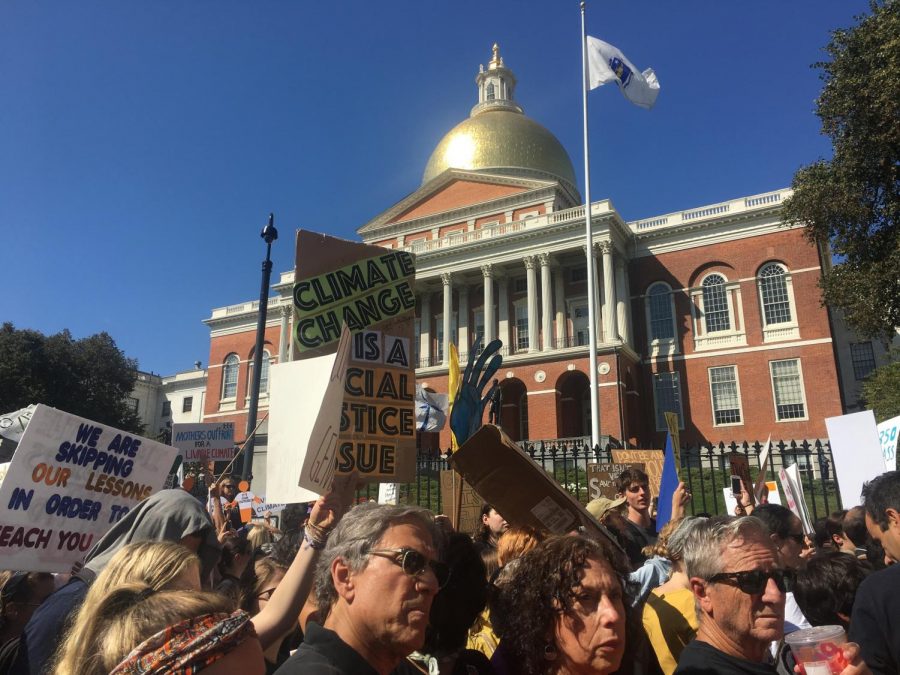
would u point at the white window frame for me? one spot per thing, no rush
(478, 323)
(802, 391)
(237, 376)
(786, 330)
(523, 305)
(439, 335)
(656, 411)
(661, 346)
(571, 305)
(853, 360)
(712, 397)
(736, 336)
(263, 383)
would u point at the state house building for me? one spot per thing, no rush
(712, 312)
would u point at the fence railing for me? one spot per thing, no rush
(704, 469)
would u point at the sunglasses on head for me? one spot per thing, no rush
(754, 582)
(414, 563)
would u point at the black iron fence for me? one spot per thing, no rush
(705, 469)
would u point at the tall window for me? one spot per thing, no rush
(230, 376)
(167, 409)
(490, 92)
(715, 304)
(774, 292)
(264, 373)
(787, 385)
(659, 302)
(667, 395)
(187, 404)
(521, 326)
(863, 359)
(726, 399)
(439, 335)
(133, 404)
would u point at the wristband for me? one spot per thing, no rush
(315, 543)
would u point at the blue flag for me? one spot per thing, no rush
(667, 486)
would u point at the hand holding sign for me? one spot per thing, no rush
(469, 404)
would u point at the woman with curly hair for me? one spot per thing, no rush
(563, 608)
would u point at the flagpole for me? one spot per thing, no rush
(589, 238)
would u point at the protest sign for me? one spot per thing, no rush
(602, 478)
(205, 441)
(304, 422)
(651, 459)
(491, 463)
(763, 466)
(262, 507)
(69, 481)
(460, 503)
(888, 432)
(12, 426)
(731, 502)
(793, 494)
(856, 452)
(370, 290)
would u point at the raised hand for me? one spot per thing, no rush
(469, 403)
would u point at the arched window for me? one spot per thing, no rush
(490, 92)
(264, 373)
(659, 305)
(715, 304)
(773, 290)
(230, 376)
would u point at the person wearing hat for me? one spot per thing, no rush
(609, 513)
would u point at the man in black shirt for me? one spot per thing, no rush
(634, 485)
(375, 582)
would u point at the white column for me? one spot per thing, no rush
(503, 313)
(462, 320)
(284, 340)
(425, 328)
(489, 326)
(609, 294)
(559, 305)
(599, 302)
(531, 286)
(447, 281)
(629, 327)
(621, 300)
(546, 315)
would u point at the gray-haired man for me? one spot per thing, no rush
(375, 582)
(739, 589)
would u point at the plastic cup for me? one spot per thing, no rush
(818, 650)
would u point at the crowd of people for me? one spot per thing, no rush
(177, 586)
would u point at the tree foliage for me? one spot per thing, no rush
(90, 377)
(852, 202)
(881, 391)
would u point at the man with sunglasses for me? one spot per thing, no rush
(375, 582)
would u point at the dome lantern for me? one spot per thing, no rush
(495, 86)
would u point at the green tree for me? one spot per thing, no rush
(881, 391)
(90, 377)
(852, 202)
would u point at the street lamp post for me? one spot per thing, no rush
(269, 234)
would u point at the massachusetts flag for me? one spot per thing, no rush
(608, 64)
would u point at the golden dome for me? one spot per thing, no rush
(498, 137)
(502, 140)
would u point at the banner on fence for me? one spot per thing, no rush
(369, 290)
(602, 478)
(204, 441)
(68, 482)
(888, 432)
(793, 494)
(468, 507)
(856, 452)
(304, 420)
(491, 462)
(651, 459)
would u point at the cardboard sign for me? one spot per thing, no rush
(204, 442)
(370, 290)
(856, 451)
(68, 482)
(469, 506)
(740, 466)
(304, 423)
(602, 478)
(492, 464)
(651, 459)
(888, 432)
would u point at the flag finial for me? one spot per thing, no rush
(496, 59)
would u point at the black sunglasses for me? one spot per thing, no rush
(754, 582)
(414, 563)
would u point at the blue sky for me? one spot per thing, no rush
(143, 144)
